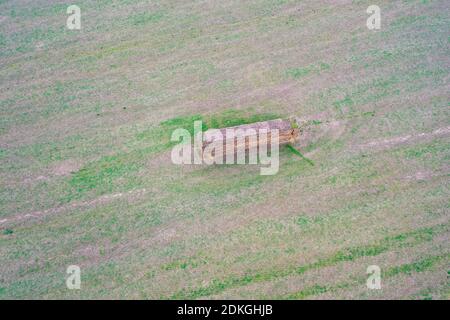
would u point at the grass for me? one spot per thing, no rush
(85, 126)
(7, 231)
(100, 174)
(145, 18)
(301, 72)
(422, 265)
(349, 254)
(226, 118)
(298, 153)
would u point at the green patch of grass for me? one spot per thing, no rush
(182, 122)
(340, 104)
(369, 114)
(7, 231)
(418, 266)
(298, 72)
(298, 153)
(144, 18)
(183, 264)
(25, 41)
(220, 187)
(226, 118)
(324, 66)
(357, 169)
(232, 117)
(2, 40)
(52, 151)
(302, 221)
(38, 11)
(301, 72)
(349, 254)
(311, 291)
(424, 150)
(408, 21)
(102, 172)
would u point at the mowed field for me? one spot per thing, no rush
(86, 175)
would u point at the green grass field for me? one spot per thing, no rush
(87, 180)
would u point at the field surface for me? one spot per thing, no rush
(86, 177)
